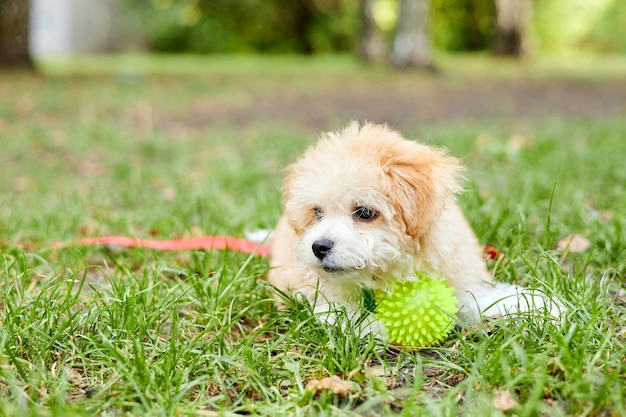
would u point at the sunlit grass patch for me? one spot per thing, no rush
(112, 331)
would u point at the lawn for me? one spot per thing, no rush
(146, 148)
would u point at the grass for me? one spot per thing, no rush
(109, 331)
(574, 64)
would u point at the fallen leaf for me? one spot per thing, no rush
(168, 193)
(517, 142)
(574, 243)
(74, 377)
(332, 383)
(43, 392)
(606, 215)
(378, 371)
(89, 228)
(503, 401)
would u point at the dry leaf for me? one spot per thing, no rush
(332, 383)
(168, 193)
(517, 142)
(574, 243)
(606, 215)
(89, 228)
(74, 377)
(503, 401)
(378, 372)
(43, 392)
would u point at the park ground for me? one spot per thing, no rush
(166, 147)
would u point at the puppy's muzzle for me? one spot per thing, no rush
(321, 248)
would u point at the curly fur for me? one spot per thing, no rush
(417, 226)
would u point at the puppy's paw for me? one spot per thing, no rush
(361, 323)
(506, 300)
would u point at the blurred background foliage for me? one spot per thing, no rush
(226, 26)
(320, 26)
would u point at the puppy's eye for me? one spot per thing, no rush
(364, 214)
(318, 213)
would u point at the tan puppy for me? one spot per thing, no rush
(365, 208)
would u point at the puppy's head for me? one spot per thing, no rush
(362, 199)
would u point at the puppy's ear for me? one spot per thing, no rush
(300, 214)
(422, 182)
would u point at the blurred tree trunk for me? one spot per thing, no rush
(512, 23)
(371, 45)
(14, 25)
(302, 20)
(411, 44)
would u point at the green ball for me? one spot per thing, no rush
(417, 313)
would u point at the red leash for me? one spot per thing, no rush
(192, 243)
(205, 243)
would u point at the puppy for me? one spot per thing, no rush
(365, 208)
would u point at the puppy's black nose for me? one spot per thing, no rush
(321, 248)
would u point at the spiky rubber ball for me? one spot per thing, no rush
(417, 313)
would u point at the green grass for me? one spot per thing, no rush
(110, 331)
(577, 65)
